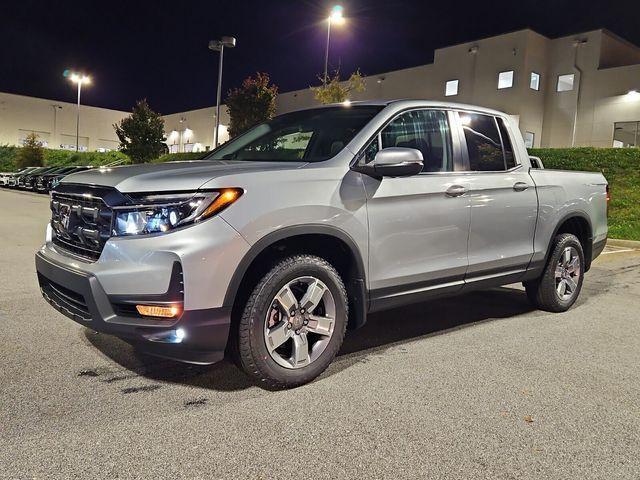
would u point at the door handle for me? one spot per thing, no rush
(520, 186)
(456, 190)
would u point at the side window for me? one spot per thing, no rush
(424, 130)
(483, 142)
(509, 157)
(370, 152)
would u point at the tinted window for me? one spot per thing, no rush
(483, 142)
(424, 130)
(307, 135)
(509, 157)
(371, 150)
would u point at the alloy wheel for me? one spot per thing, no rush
(567, 274)
(300, 322)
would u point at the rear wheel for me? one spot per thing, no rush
(293, 323)
(560, 284)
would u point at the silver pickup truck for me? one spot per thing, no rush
(284, 237)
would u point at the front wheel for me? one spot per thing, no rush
(293, 323)
(560, 284)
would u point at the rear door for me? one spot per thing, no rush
(418, 226)
(503, 198)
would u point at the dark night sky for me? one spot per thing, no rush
(158, 49)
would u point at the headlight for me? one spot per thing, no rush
(158, 213)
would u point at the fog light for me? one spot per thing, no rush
(158, 311)
(180, 334)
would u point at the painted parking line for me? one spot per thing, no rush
(610, 250)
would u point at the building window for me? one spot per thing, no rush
(529, 139)
(565, 82)
(626, 134)
(451, 88)
(534, 82)
(505, 80)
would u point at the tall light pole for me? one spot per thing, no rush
(337, 18)
(218, 46)
(79, 80)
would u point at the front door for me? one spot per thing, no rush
(418, 226)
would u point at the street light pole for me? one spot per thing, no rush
(79, 79)
(216, 133)
(218, 46)
(337, 18)
(78, 118)
(326, 52)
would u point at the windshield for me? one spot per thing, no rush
(304, 136)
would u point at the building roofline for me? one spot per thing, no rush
(510, 32)
(620, 39)
(71, 104)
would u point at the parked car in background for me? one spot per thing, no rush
(39, 179)
(4, 178)
(46, 181)
(29, 181)
(24, 180)
(307, 223)
(13, 177)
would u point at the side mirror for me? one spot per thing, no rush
(536, 163)
(397, 162)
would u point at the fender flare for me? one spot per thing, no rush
(361, 297)
(587, 248)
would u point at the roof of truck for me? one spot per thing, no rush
(414, 102)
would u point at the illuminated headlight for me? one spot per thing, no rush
(158, 213)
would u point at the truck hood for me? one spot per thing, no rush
(171, 176)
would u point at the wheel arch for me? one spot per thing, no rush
(577, 223)
(322, 240)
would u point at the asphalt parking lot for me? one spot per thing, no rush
(479, 386)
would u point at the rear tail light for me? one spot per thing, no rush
(608, 198)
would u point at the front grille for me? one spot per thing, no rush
(81, 223)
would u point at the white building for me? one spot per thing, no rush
(55, 123)
(579, 90)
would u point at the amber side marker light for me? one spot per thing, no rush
(222, 201)
(158, 311)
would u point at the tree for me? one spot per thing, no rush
(31, 154)
(141, 134)
(335, 91)
(252, 103)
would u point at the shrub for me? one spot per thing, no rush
(8, 155)
(65, 157)
(336, 91)
(31, 154)
(252, 103)
(141, 134)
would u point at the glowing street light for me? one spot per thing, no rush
(335, 17)
(78, 79)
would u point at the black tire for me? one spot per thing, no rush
(542, 292)
(252, 352)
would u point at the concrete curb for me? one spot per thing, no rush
(612, 242)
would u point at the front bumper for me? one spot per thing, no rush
(197, 336)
